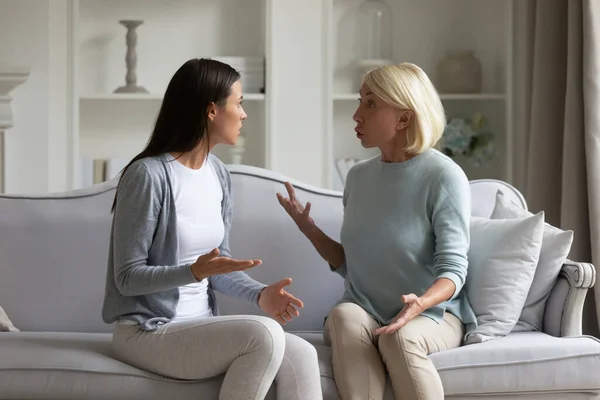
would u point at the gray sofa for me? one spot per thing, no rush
(53, 251)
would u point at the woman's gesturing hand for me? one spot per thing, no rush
(413, 306)
(299, 213)
(278, 303)
(210, 264)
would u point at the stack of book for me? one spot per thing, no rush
(252, 70)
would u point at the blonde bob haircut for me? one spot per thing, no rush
(406, 86)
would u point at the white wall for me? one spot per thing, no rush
(37, 146)
(59, 105)
(26, 23)
(296, 91)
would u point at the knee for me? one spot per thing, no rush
(406, 339)
(297, 348)
(266, 334)
(345, 314)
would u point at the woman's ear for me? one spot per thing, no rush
(405, 119)
(211, 111)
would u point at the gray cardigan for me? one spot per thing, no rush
(143, 274)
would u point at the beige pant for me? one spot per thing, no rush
(360, 358)
(252, 352)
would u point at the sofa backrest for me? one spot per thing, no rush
(483, 194)
(53, 250)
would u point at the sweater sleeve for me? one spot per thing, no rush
(134, 223)
(234, 284)
(451, 213)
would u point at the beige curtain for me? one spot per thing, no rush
(557, 91)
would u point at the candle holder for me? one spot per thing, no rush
(131, 58)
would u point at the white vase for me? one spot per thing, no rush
(459, 71)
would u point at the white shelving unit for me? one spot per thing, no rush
(423, 31)
(118, 125)
(304, 120)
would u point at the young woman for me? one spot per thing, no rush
(404, 243)
(169, 252)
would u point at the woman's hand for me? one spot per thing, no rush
(441, 290)
(329, 249)
(278, 303)
(413, 306)
(299, 213)
(210, 264)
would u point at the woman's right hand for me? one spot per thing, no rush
(210, 264)
(299, 213)
(329, 249)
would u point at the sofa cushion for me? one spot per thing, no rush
(556, 245)
(503, 255)
(51, 365)
(525, 362)
(74, 365)
(521, 362)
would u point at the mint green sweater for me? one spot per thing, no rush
(405, 225)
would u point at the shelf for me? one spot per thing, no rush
(443, 96)
(149, 97)
(474, 96)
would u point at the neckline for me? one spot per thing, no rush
(178, 164)
(410, 163)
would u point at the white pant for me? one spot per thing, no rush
(252, 351)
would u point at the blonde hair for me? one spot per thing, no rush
(407, 86)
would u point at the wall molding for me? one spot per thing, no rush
(10, 78)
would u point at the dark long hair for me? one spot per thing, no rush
(182, 121)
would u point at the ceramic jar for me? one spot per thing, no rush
(459, 71)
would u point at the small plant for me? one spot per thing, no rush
(470, 138)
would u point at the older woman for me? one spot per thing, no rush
(404, 243)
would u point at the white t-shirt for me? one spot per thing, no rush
(198, 195)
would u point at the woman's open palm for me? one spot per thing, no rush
(210, 264)
(299, 213)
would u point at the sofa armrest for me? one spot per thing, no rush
(564, 307)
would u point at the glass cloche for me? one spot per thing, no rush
(373, 41)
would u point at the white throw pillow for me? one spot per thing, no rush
(503, 255)
(556, 245)
(5, 323)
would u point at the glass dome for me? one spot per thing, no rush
(373, 41)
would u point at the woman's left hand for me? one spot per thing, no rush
(278, 303)
(413, 306)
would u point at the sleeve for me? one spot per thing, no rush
(135, 220)
(235, 284)
(451, 216)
